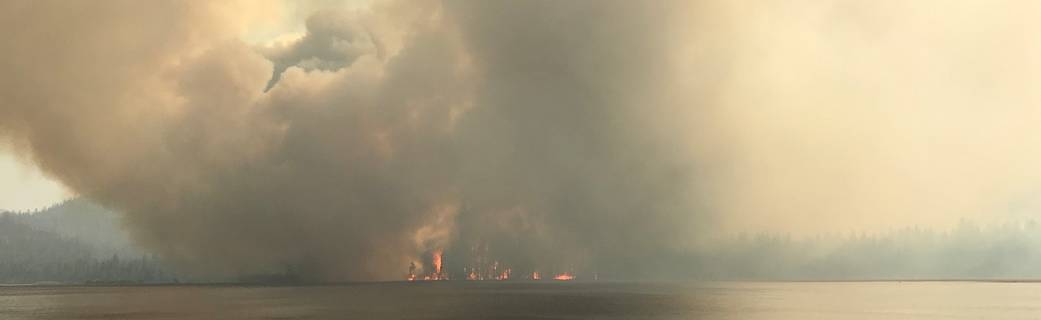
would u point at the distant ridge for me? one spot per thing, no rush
(87, 222)
(73, 242)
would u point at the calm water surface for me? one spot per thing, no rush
(543, 300)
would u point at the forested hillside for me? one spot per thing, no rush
(88, 223)
(72, 242)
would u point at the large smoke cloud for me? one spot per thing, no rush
(373, 138)
(595, 135)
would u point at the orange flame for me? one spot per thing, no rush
(437, 261)
(566, 276)
(505, 275)
(436, 274)
(536, 276)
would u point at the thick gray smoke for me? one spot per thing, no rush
(334, 40)
(572, 152)
(541, 129)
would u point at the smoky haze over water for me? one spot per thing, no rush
(579, 135)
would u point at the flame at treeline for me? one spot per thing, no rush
(478, 268)
(564, 276)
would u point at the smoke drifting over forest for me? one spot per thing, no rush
(593, 135)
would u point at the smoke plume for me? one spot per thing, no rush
(375, 137)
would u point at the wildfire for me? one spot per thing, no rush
(505, 275)
(479, 268)
(566, 276)
(437, 261)
(435, 258)
(436, 274)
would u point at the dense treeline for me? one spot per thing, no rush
(31, 254)
(86, 222)
(969, 251)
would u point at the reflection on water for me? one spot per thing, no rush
(542, 300)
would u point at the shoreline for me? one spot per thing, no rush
(393, 282)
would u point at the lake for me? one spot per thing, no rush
(534, 300)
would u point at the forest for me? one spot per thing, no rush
(1006, 251)
(73, 242)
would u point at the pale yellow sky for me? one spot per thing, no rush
(23, 187)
